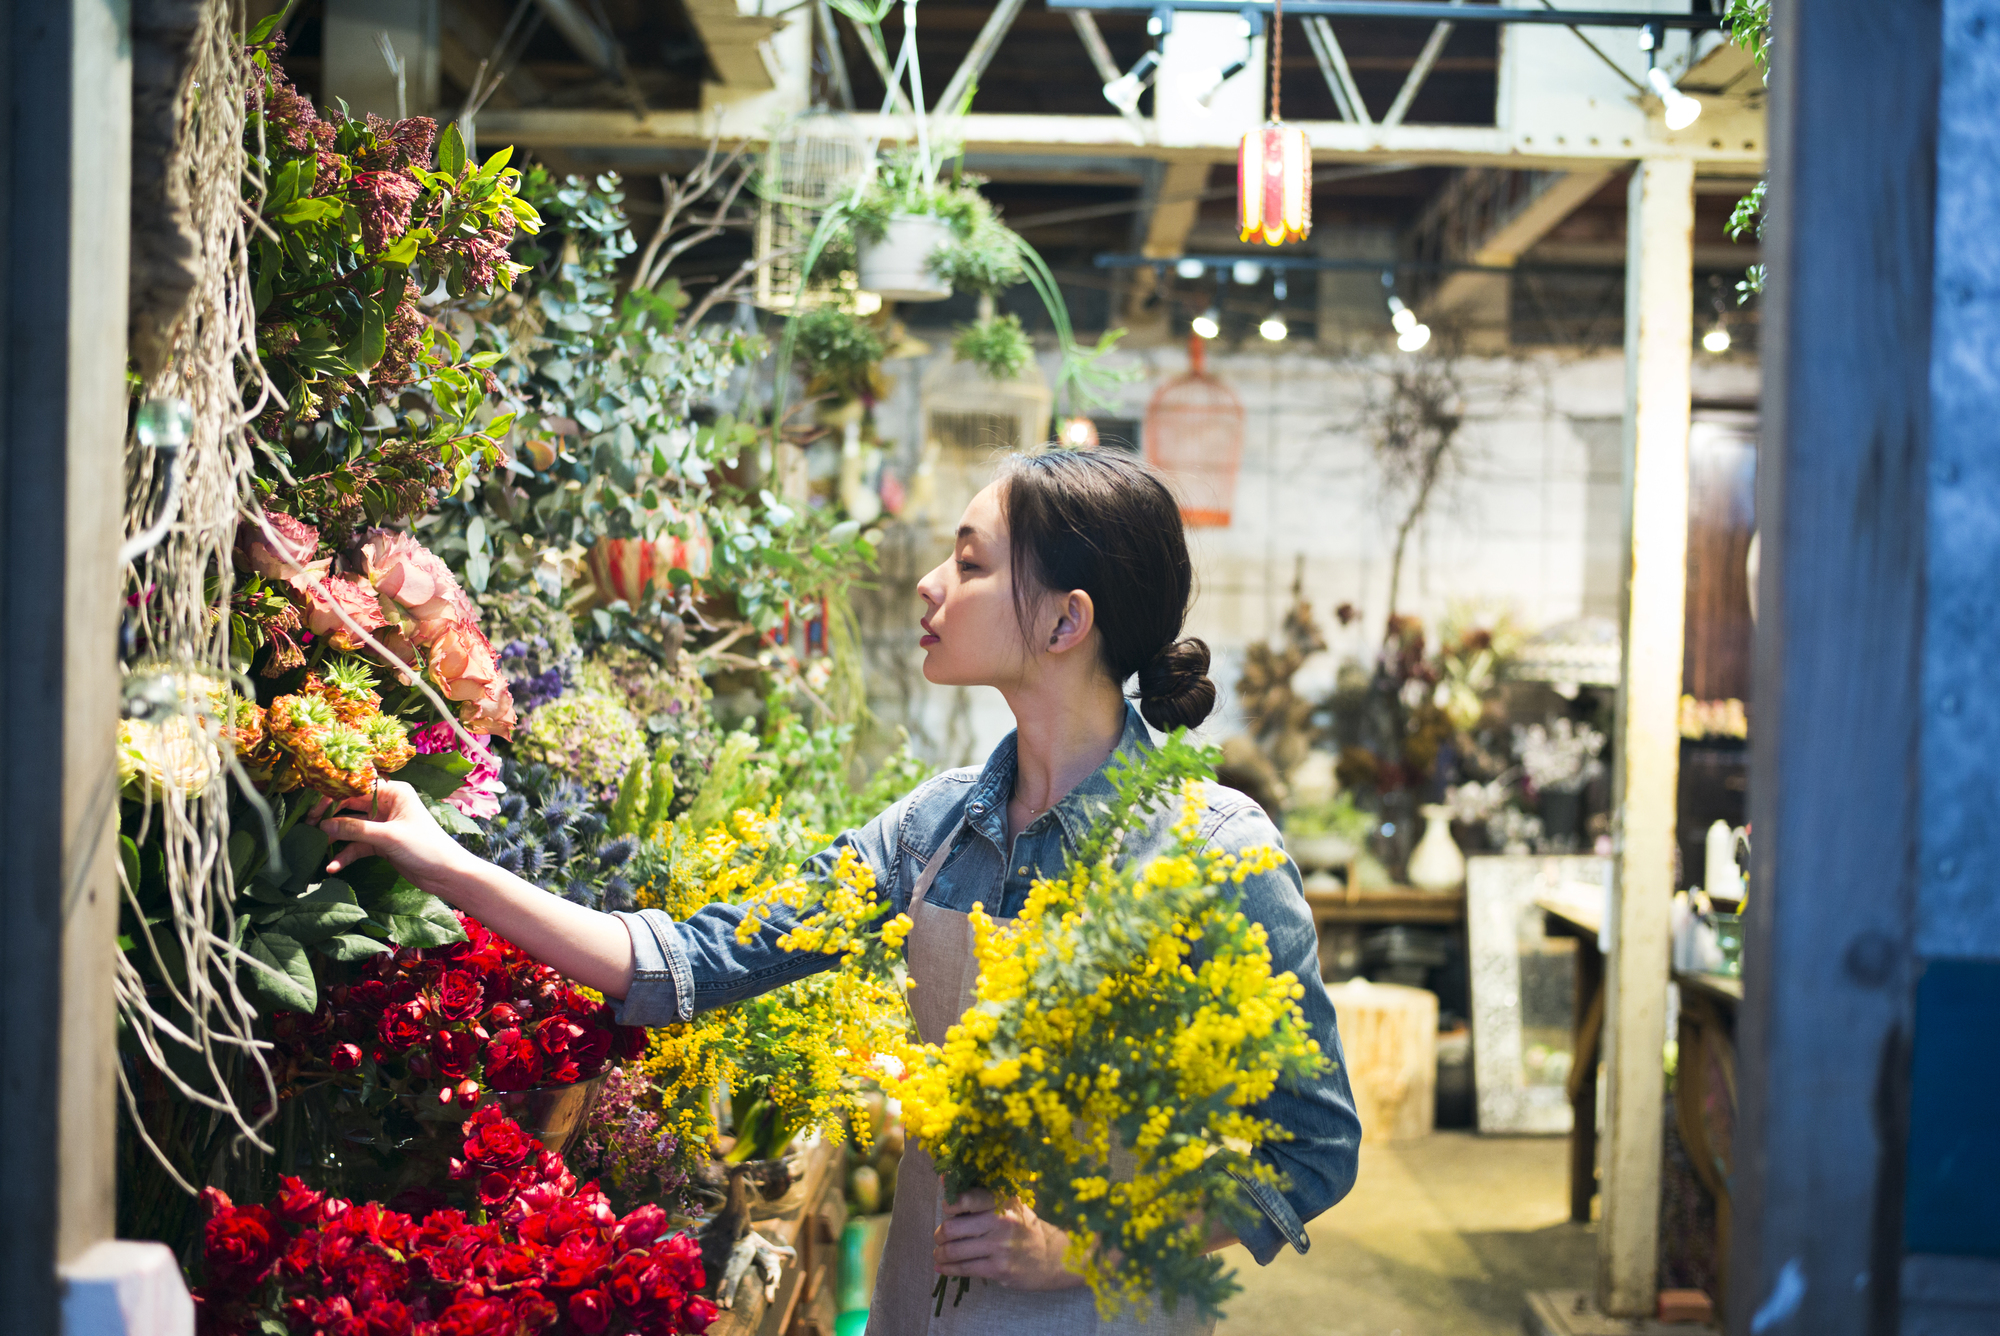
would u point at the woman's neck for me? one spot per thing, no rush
(1065, 731)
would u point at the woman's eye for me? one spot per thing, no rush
(967, 567)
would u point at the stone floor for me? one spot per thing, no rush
(1441, 1237)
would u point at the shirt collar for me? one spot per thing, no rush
(986, 808)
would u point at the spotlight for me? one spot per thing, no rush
(1717, 339)
(1274, 328)
(1211, 84)
(1401, 316)
(1208, 324)
(1246, 272)
(1681, 109)
(1414, 338)
(1190, 269)
(1124, 91)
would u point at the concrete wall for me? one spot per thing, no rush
(1531, 522)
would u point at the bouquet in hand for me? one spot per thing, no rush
(1124, 1027)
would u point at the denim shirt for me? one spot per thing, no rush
(697, 964)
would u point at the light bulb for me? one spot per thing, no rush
(1716, 340)
(1124, 91)
(1401, 316)
(1273, 328)
(1414, 338)
(1681, 110)
(1079, 433)
(1190, 268)
(1208, 83)
(1246, 272)
(1207, 324)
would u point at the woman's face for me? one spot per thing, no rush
(971, 634)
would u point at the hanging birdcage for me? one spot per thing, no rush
(813, 161)
(969, 421)
(1194, 435)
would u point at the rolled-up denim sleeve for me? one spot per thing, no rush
(685, 966)
(1320, 1157)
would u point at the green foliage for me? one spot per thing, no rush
(838, 350)
(1749, 24)
(356, 224)
(999, 347)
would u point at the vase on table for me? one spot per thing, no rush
(1437, 865)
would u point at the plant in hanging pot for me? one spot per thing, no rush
(841, 355)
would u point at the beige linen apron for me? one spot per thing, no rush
(945, 969)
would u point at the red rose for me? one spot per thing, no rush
(504, 1013)
(565, 1072)
(642, 1226)
(298, 1203)
(454, 1052)
(345, 1057)
(495, 1141)
(553, 1035)
(512, 1063)
(696, 1315)
(533, 1310)
(460, 995)
(368, 995)
(388, 1317)
(578, 1259)
(495, 1187)
(403, 1026)
(239, 1245)
(590, 1310)
(629, 1041)
(475, 1317)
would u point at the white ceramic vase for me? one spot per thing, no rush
(898, 267)
(1437, 864)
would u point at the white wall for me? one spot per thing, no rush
(1531, 523)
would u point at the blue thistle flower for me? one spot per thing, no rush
(616, 853)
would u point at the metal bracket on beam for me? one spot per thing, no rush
(1426, 11)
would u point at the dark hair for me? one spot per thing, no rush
(1106, 524)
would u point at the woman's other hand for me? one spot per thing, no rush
(394, 823)
(1007, 1244)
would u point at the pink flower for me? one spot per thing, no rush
(278, 549)
(479, 796)
(464, 664)
(357, 600)
(493, 712)
(405, 570)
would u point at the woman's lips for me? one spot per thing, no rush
(929, 636)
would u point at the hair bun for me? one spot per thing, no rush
(1174, 690)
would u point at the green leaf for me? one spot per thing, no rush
(432, 923)
(332, 891)
(450, 819)
(310, 923)
(485, 359)
(451, 150)
(350, 947)
(280, 974)
(367, 350)
(128, 857)
(265, 26)
(285, 184)
(401, 251)
(437, 775)
(304, 850)
(497, 161)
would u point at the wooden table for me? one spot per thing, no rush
(1584, 922)
(814, 1214)
(1401, 904)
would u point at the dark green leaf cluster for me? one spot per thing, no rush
(999, 347)
(839, 350)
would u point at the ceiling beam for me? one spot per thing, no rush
(1171, 205)
(1447, 145)
(1511, 236)
(975, 62)
(735, 42)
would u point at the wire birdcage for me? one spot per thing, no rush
(812, 162)
(1194, 435)
(969, 421)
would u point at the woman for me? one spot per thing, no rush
(1069, 576)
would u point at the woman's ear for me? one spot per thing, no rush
(1075, 617)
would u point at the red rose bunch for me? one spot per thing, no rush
(475, 1015)
(542, 1255)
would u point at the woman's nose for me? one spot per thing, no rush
(931, 588)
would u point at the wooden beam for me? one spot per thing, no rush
(1176, 200)
(65, 153)
(735, 41)
(1518, 233)
(1659, 339)
(1413, 82)
(1333, 67)
(1845, 478)
(975, 62)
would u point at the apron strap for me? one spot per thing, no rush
(935, 865)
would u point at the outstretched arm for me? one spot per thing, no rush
(592, 948)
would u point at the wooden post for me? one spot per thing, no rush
(1659, 338)
(65, 144)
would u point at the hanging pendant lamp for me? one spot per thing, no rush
(1274, 167)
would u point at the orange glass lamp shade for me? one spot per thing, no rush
(632, 570)
(1274, 185)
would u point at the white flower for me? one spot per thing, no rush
(1561, 758)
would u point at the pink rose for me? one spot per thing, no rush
(279, 548)
(357, 600)
(493, 712)
(479, 796)
(403, 569)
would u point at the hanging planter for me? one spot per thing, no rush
(1274, 168)
(898, 267)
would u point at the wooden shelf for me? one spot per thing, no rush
(1724, 988)
(1589, 918)
(805, 1288)
(1402, 904)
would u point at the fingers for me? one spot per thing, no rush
(966, 1226)
(350, 853)
(970, 1202)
